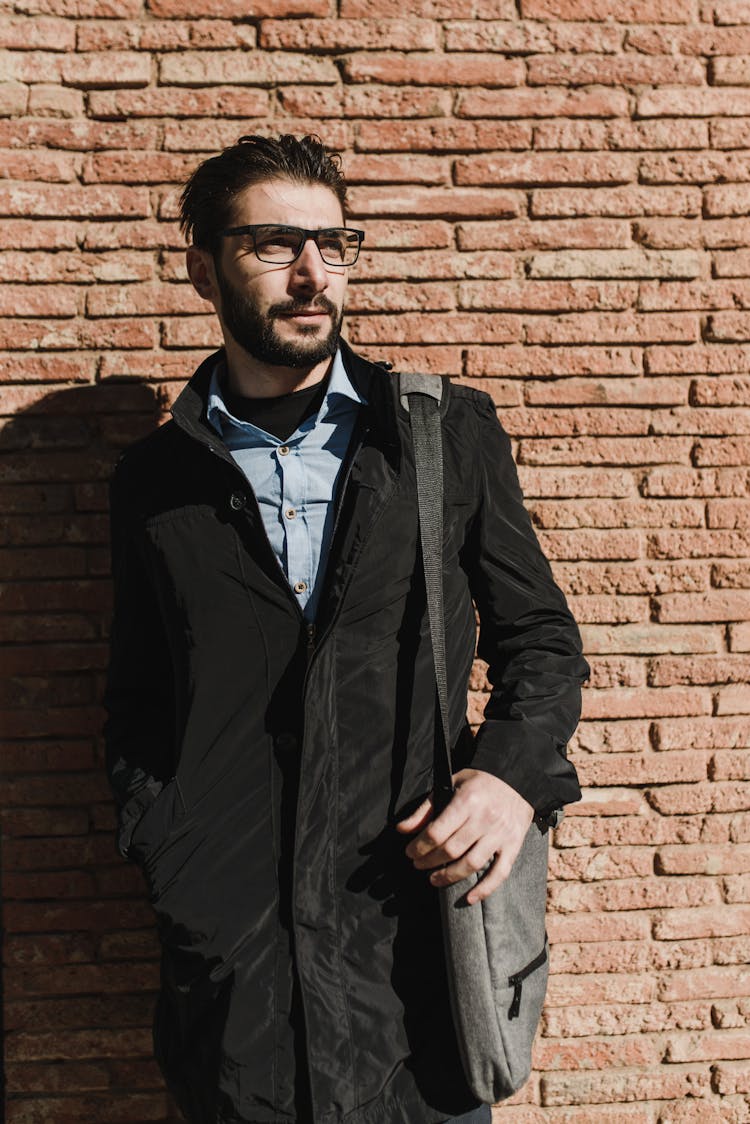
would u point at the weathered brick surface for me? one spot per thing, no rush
(555, 194)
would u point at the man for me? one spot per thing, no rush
(271, 695)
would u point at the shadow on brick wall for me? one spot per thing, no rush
(80, 952)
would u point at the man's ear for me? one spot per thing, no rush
(200, 270)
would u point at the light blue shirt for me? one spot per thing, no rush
(294, 480)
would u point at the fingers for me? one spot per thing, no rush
(418, 818)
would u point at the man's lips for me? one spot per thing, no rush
(311, 315)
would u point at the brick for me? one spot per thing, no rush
(440, 135)
(123, 167)
(617, 1018)
(592, 864)
(434, 202)
(432, 328)
(699, 358)
(433, 9)
(78, 334)
(625, 768)
(81, 9)
(234, 9)
(729, 765)
(175, 101)
(551, 102)
(707, 102)
(425, 265)
(611, 263)
(694, 482)
(616, 134)
(632, 200)
(115, 69)
(614, 451)
(601, 1053)
(732, 200)
(625, 70)
(722, 451)
(733, 605)
(678, 924)
(609, 391)
(629, 513)
(610, 1086)
(434, 69)
(730, 1078)
(105, 1109)
(699, 544)
(535, 168)
(736, 888)
(533, 362)
(545, 296)
(141, 300)
(612, 987)
(26, 300)
(604, 327)
(731, 391)
(349, 34)
(524, 234)
(314, 101)
(14, 98)
(529, 36)
(41, 33)
(214, 68)
(685, 798)
(51, 201)
(632, 11)
(401, 297)
(395, 101)
(208, 136)
(51, 100)
(39, 266)
(667, 670)
(81, 136)
(39, 1078)
(633, 893)
(706, 983)
(718, 733)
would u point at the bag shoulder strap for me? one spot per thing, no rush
(421, 396)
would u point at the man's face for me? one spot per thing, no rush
(285, 315)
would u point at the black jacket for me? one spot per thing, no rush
(260, 765)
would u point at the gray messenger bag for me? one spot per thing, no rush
(496, 950)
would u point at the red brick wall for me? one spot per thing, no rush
(555, 198)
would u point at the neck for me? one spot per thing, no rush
(251, 378)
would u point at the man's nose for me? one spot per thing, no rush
(309, 268)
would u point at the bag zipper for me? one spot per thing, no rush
(516, 981)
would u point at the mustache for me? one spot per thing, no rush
(323, 304)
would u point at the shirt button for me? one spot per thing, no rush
(290, 513)
(283, 450)
(237, 500)
(300, 587)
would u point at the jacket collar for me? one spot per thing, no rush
(371, 381)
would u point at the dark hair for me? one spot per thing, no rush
(206, 203)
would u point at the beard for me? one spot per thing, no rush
(255, 329)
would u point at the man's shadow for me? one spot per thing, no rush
(80, 946)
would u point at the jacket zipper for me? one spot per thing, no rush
(516, 981)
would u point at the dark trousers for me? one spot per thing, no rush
(481, 1115)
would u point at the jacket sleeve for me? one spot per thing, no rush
(527, 636)
(138, 698)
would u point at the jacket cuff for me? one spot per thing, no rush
(528, 760)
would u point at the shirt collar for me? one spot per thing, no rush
(339, 384)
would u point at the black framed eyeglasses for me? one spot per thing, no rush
(281, 245)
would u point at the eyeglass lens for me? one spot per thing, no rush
(282, 244)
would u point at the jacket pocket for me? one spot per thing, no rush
(148, 818)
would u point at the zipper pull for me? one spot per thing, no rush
(515, 1007)
(310, 637)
